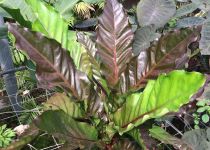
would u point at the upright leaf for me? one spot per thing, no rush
(157, 12)
(164, 95)
(161, 57)
(114, 39)
(92, 65)
(49, 22)
(54, 66)
(65, 7)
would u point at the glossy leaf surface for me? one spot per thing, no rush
(45, 19)
(156, 12)
(54, 66)
(92, 65)
(164, 95)
(162, 57)
(114, 39)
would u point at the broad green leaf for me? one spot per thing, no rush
(49, 22)
(54, 66)
(167, 94)
(143, 37)
(60, 101)
(163, 136)
(204, 43)
(65, 7)
(11, 5)
(62, 125)
(185, 9)
(114, 41)
(190, 22)
(157, 12)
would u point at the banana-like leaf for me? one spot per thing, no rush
(162, 57)
(54, 66)
(12, 7)
(157, 12)
(143, 37)
(185, 9)
(204, 43)
(163, 136)
(49, 22)
(114, 41)
(58, 123)
(60, 101)
(164, 95)
(65, 7)
(190, 22)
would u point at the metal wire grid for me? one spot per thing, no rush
(7, 114)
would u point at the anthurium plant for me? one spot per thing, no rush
(112, 83)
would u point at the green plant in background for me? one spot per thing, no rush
(202, 113)
(114, 82)
(6, 136)
(29, 104)
(17, 56)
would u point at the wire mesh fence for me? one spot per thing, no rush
(31, 99)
